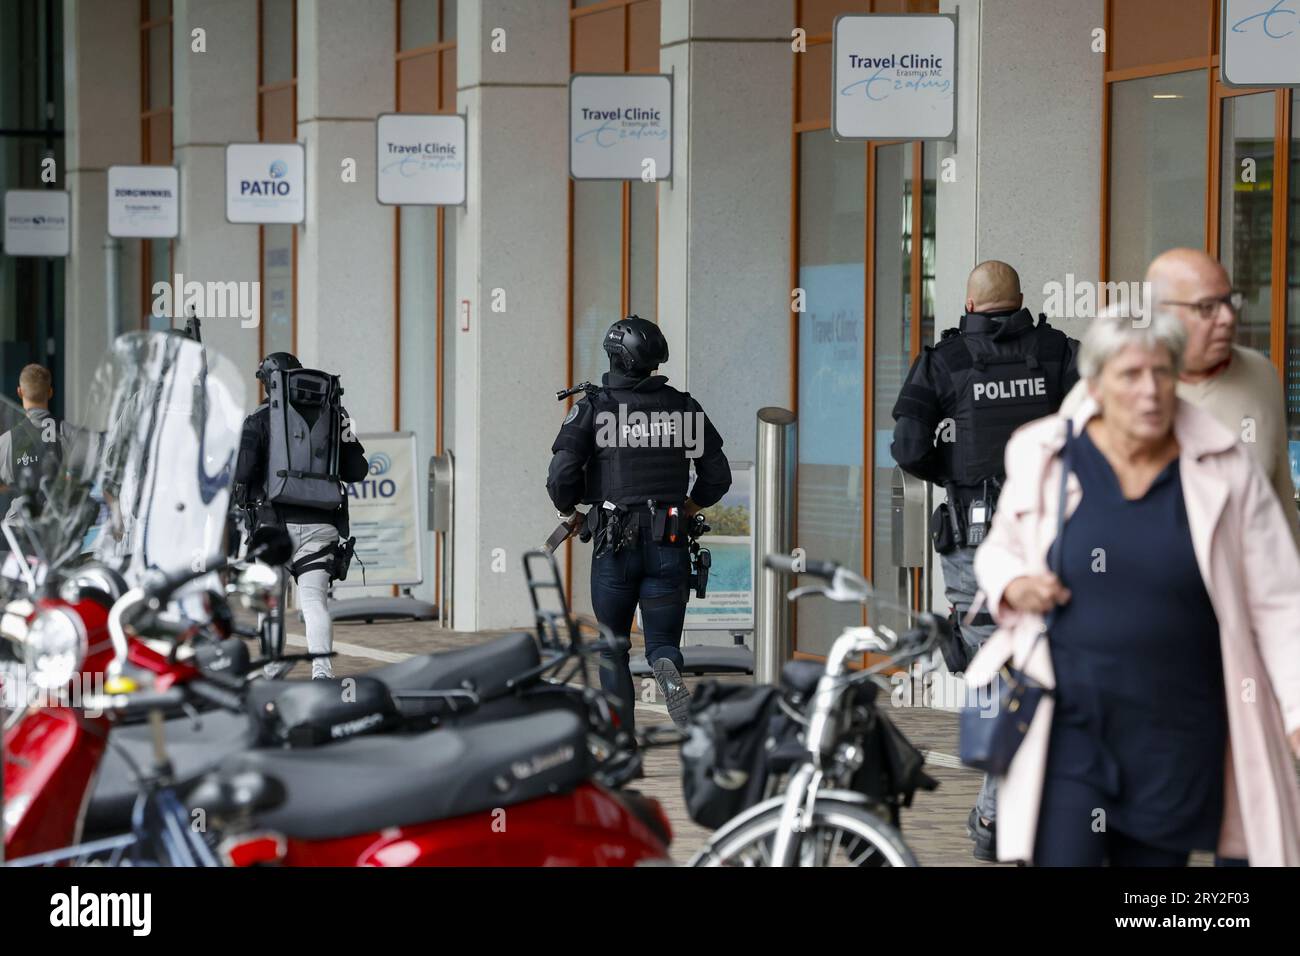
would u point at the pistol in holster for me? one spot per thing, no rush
(616, 529)
(343, 555)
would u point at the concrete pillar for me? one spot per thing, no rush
(214, 97)
(1028, 154)
(724, 220)
(509, 237)
(101, 73)
(1027, 77)
(346, 306)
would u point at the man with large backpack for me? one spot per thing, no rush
(296, 452)
(31, 449)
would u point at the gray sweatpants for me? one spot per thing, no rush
(960, 586)
(312, 587)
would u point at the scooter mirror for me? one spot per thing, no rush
(256, 586)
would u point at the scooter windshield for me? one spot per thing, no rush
(164, 421)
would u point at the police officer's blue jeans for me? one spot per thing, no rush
(656, 577)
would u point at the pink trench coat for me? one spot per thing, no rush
(1251, 570)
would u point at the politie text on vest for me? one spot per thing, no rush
(656, 429)
(1013, 388)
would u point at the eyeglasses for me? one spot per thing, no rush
(1209, 308)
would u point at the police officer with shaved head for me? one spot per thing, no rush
(626, 449)
(962, 399)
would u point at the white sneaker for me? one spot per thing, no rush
(321, 669)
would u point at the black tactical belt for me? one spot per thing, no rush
(285, 473)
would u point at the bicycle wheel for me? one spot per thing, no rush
(841, 834)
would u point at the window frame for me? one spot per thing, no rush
(439, 51)
(1217, 94)
(148, 116)
(918, 229)
(263, 89)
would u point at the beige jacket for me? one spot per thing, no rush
(1251, 570)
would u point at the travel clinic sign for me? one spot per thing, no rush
(1260, 42)
(895, 77)
(620, 126)
(265, 182)
(420, 159)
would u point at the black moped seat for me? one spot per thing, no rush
(484, 668)
(193, 748)
(369, 783)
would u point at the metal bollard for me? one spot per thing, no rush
(441, 510)
(773, 533)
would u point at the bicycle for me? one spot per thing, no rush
(824, 817)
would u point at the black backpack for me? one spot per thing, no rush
(305, 433)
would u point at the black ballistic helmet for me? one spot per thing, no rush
(277, 361)
(635, 346)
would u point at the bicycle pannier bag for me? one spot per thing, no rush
(724, 762)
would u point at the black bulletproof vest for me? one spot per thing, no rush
(30, 453)
(998, 384)
(641, 446)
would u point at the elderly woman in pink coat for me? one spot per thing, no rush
(1174, 647)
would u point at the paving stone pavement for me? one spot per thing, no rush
(934, 826)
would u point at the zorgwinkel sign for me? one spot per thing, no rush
(1260, 42)
(895, 76)
(265, 182)
(620, 126)
(420, 160)
(144, 202)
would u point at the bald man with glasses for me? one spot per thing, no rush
(1235, 384)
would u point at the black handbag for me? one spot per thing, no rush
(989, 741)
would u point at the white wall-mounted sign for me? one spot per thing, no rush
(620, 126)
(37, 222)
(144, 202)
(895, 76)
(384, 510)
(1260, 43)
(265, 182)
(421, 160)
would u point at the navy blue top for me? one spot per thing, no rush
(1141, 709)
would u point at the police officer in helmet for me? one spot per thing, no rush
(626, 449)
(295, 455)
(960, 403)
